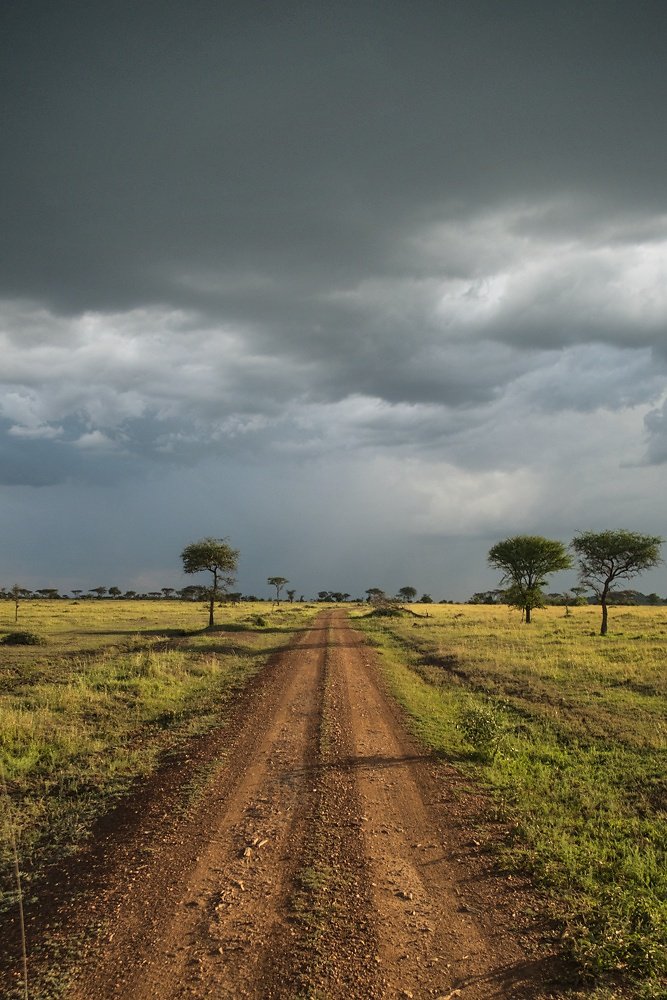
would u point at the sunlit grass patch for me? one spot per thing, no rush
(90, 713)
(569, 730)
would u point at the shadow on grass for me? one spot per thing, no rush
(167, 633)
(191, 633)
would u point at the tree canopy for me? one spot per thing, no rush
(526, 561)
(215, 556)
(407, 593)
(607, 556)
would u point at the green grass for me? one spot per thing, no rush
(94, 710)
(569, 730)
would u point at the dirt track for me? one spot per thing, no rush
(322, 856)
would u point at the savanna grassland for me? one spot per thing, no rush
(568, 731)
(114, 687)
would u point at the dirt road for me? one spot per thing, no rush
(321, 855)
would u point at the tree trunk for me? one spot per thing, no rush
(603, 602)
(214, 591)
(527, 616)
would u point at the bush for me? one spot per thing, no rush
(22, 639)
(483, 728)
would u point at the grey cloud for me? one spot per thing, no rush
(152, 384)
(27, 459)
(31, 463)
(299, 141)
(593, 377)
(656, 426)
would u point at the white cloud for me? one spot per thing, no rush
(656, 426)
(467, 502)
(45, 431)
(96, 441)
(515, 274)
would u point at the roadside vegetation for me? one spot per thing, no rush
(110, 688)
(569, 732)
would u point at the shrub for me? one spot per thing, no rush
(22, 639)
(483, 728)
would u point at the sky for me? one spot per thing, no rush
(364, 287)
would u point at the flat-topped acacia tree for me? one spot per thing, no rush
(526, 561)
(607, 556)
(215, 556)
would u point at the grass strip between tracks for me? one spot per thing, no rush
(329, 902)
(568, 731)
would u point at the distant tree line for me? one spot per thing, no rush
(189, 593)
(571, 599)
(603, 558)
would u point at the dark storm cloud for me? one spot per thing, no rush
(144, 141)
(407, 252)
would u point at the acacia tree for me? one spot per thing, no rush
(16, 593)
(278, 582)
(215, 556)
(526, 561)
(407, 594)
(607, 556)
